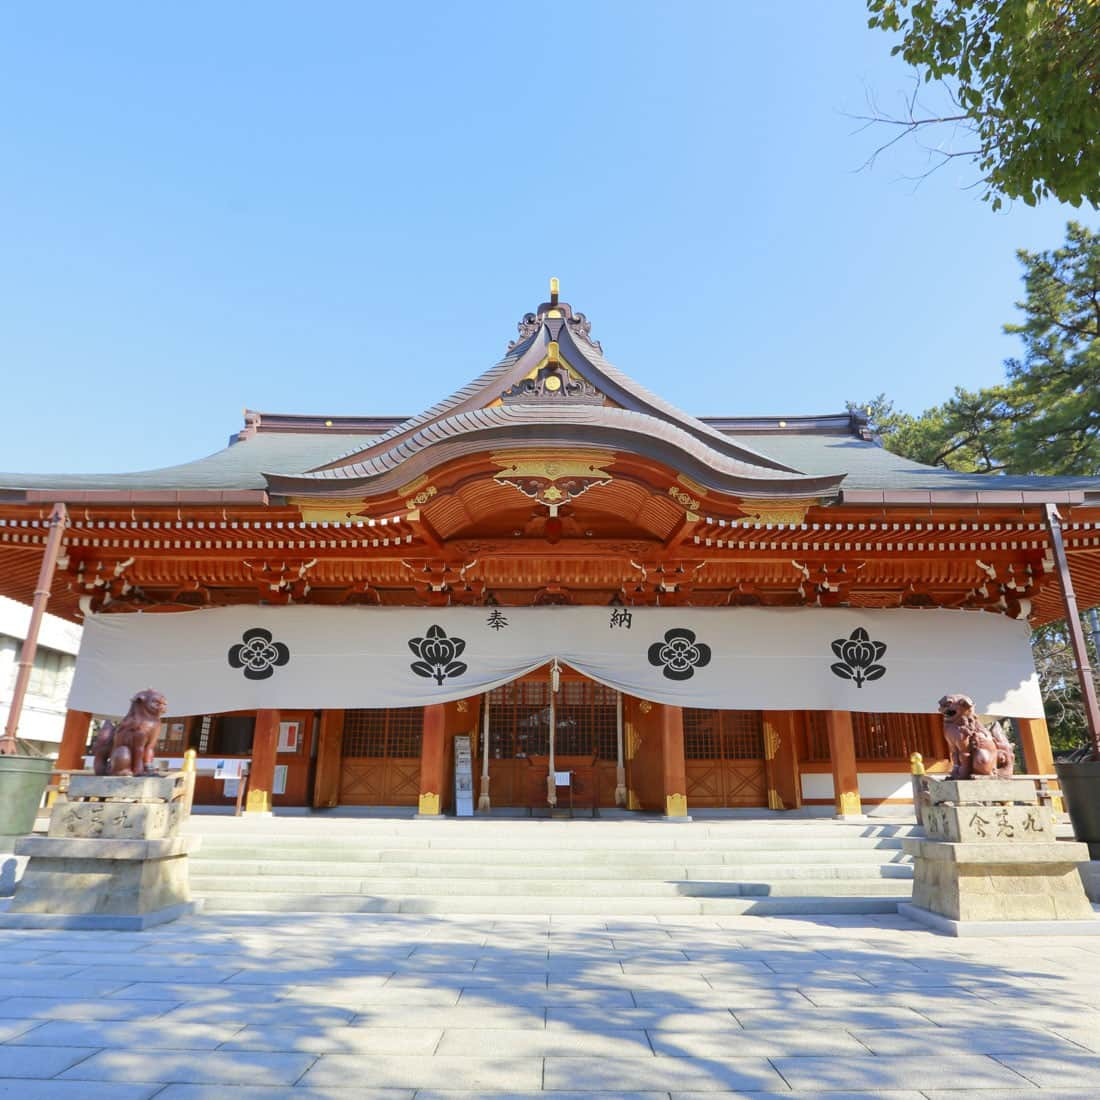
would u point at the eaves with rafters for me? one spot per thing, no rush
(552, 478)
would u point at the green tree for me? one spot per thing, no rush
(1045, 419)
(1024, 79)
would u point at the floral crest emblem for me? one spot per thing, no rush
(258, 654)
(858, 657)
(679, 655)
(437, 655)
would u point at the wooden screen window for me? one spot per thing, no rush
(393, 733)
(519, 720)
(723, 734)
(586, 721)
(893, 737)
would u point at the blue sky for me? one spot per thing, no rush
(346, 207)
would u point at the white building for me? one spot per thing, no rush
(44, 707)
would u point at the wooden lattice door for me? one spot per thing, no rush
(381, 757)
(724, 758)
(519, 740)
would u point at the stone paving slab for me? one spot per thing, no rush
(135, 1035)
(22, 1089)
(594, 1075)
(342, 1040)
(955, 1072)
(37, 1062)
(238, 1092)
(214, 1067)
(1055, 1071)
(376, 1008)
(398, 1071)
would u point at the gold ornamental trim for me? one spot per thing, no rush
(552, 465)
(327, 509)
(787, 512)
(413, 485)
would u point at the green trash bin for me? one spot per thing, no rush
(23, 781)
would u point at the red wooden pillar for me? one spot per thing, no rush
(261, 776)
(432, 761)
(74, 739)
(842, 753)
(326, 784)
(781, 760)
(673, 768)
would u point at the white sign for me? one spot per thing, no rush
(562, 779)
(228, 769)
(288, 737)
(738, 658)
(464, 777)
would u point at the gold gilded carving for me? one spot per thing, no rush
(428, 804)
(771, 742)
(422, 497)
(692, 485)
(676, 805)
(462, 706)
(684, 499)
(788, 512)
(645, 706)
(326, 509)
(552, 479)
(850, 803)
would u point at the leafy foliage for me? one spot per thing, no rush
(1025, 75)
(1044, 419)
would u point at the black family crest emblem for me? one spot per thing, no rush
(437, 655)
(859, 657)
(679, 655)
(258, 654)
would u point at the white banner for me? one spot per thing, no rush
(243, 658)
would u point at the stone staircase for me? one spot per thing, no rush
(549, 867)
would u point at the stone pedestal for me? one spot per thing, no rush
(991, 865)
(113, 858)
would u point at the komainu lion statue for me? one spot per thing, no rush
(129, 747)
(976, 752)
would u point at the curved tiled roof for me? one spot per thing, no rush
(525, 426)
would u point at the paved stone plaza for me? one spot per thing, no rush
(252, 1006)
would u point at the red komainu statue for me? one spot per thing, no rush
(129, 747)
(976, 752)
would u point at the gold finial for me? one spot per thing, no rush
(554, 292)
(552, 353)
(916, 764)
(189, 760)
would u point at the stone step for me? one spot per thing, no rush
(626, 862)
(306, 873)
(553, 906)
(205, 885)
(313, 849)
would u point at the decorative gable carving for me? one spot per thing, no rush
(553, 383)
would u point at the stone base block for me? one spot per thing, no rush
(1090, 879)
(986, 928)
(128, 788)
(967, 792)
(94, 922)
(975, 824)
(999, 882)
(117, 878)
(116, 820)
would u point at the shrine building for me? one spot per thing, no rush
(611, 598)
